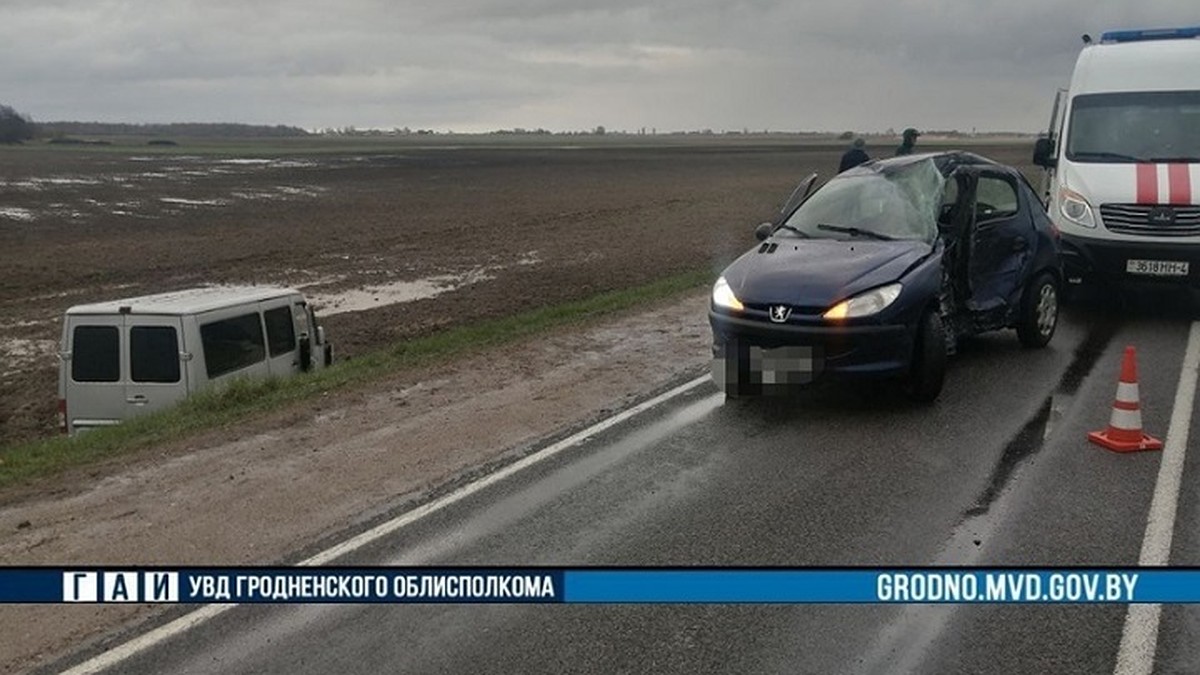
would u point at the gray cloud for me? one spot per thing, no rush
(559, 64)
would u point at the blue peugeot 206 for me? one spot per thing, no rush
(881, 270)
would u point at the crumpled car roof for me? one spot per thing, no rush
(946, 162)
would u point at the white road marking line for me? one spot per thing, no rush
(1139, 638)
(184, 623)
(387, 528)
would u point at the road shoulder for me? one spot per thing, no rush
(261, 493)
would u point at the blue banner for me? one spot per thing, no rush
(476, 585)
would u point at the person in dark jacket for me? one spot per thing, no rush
(854, 156)
(910, 139)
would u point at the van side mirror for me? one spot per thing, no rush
(763, 231)
(320, 335)
(1043, 153)
(305, 352)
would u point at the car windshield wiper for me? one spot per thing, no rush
(1116, 156)
(1181, 158)
(856, 232)
(793, 228)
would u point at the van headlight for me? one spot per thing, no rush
(1075, 208)
(865, 304)
(722, 296)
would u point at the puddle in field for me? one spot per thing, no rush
(37, 183)
(17, 354)
(192, 202)
(16, 213)
(382, 295)
(172, 169)
(374, 296)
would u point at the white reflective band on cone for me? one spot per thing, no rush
(1126, 419)
(1127, 392)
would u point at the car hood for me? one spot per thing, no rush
(819, 272)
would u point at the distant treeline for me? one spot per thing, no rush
(182, 130)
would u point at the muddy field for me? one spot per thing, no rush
(391, 241)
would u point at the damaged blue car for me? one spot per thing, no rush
(880, 272)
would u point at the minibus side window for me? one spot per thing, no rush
(232, 344)
(95, 354)
(281, 334)
(153, 354)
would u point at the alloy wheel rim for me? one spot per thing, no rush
(1047, 309)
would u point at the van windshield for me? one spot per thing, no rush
(1156, 126)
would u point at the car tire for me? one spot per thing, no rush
(1039, 311)
(928, 370)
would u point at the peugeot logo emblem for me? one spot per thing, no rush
(780, 313)
(1162, 215)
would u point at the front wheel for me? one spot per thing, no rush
(928, 370)
(1039, 311)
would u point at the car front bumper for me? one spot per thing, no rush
(751, 356)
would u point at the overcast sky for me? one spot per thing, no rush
(479, 65)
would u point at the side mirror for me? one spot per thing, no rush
(1043, 153)
(320, 335)
(763, 231)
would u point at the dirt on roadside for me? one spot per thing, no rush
(262, 492)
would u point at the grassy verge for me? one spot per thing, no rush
(244, 398)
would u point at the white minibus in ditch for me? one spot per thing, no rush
(132, 356)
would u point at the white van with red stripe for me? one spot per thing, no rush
(1124, 157)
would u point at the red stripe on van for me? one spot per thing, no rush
(1180, 181)
(1147, 184)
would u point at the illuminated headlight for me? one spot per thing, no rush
(1075, 208)
(722, 296)
(865, 304)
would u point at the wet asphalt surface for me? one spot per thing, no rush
(997, 472)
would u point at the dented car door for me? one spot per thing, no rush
(1001, 246)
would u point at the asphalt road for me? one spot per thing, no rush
(998, 472)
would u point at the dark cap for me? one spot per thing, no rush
(911, 133)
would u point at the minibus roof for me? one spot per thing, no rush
(1138, 65)
(190, 301)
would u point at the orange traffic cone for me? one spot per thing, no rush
(1124, 433)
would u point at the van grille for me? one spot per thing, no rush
(1136, 219)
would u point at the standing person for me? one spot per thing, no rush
(854, 156)
(910, 139)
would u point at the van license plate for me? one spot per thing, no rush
(1158, 268)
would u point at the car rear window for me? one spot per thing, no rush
(281, 334)
(153, 354)
(232, 344)
(95, 354)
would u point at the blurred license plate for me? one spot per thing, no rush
(784, 365)
(1158, 268)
